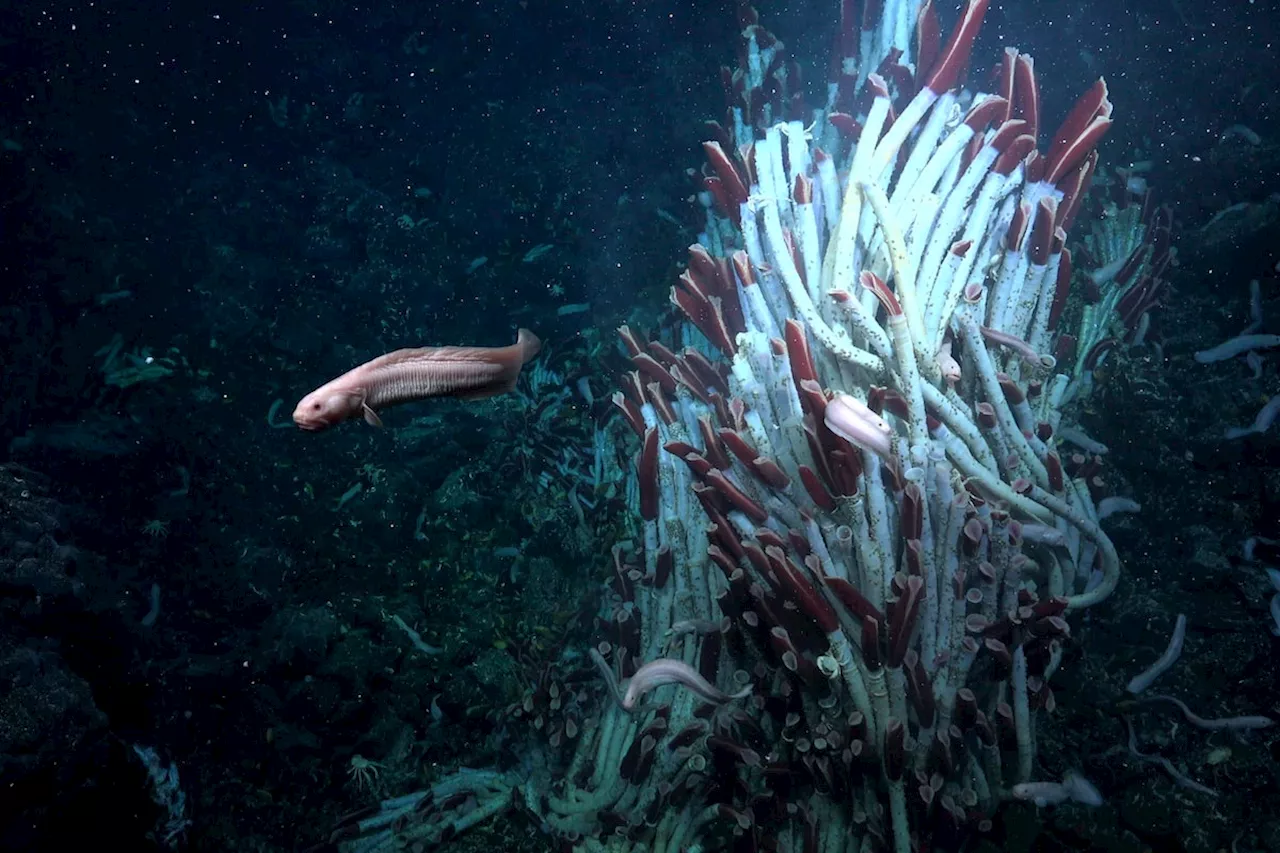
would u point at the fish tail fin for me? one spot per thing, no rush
(528, 344)
(511, 359)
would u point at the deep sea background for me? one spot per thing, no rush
(208, 208)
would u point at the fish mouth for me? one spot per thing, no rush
(309, 425)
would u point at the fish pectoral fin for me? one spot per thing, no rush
(370, 416)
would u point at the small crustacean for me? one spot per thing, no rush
(363, 772)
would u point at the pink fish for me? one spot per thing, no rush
(468, 373)
(670, 671)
